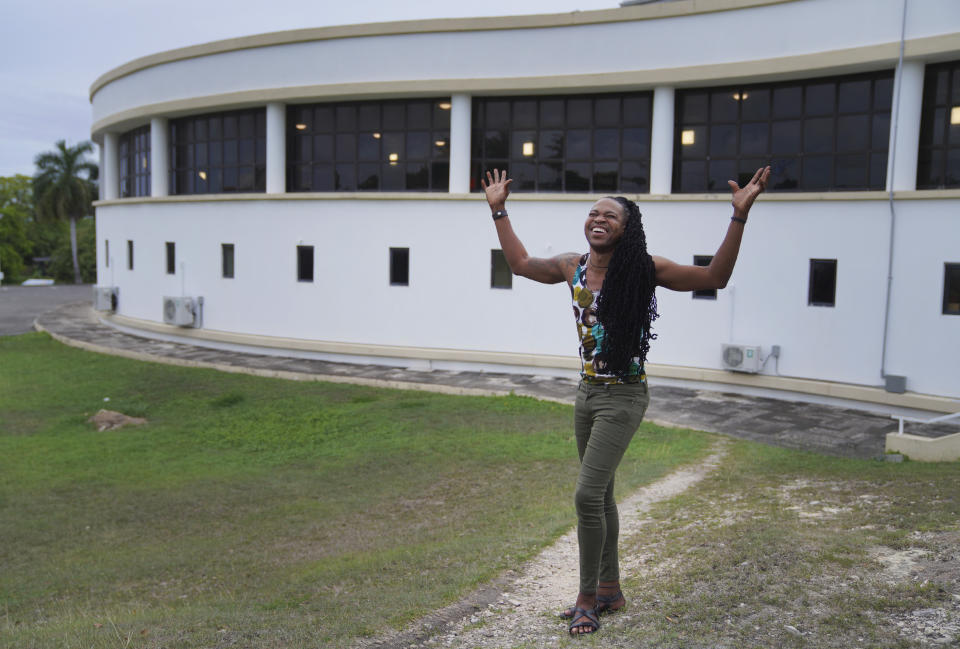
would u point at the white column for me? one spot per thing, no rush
(905, 127)
(159, 157)
(111, 167)
(100, 186)
(460, 121)
(661, 141)
(276, 148)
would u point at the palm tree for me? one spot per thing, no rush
(61, 193)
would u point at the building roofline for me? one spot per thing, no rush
(650, 11)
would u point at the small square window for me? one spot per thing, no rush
(304, 263)
(707, 293)
(500, 274)
(226, 257)
(171, 258)
(129, 254)
(823, 282)
(106, 252)
(399, 266)
(951, 289)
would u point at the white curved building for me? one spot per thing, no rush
(317, 187)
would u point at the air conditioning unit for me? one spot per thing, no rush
(183, 311)
(741, 358)
(105, 298)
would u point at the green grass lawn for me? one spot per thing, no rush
(265, 513)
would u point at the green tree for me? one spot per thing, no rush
(60, 267)
(16, 211)
(62, 193)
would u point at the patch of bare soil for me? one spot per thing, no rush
(111, 420)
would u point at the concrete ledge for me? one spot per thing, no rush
(721, 378)
(925, 449)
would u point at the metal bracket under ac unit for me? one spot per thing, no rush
(741, 358)
(183, 311)
(105, 298)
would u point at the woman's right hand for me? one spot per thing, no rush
(497, 187)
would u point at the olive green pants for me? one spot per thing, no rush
(605, 419)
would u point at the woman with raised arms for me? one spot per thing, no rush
(612, 286)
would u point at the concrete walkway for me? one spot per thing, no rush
(824, 429)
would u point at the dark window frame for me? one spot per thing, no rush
(219, 153)
(949, 289)
(563, 147)
(106, 252)
(813, 288)
(938, 154)
(707, 293)
(171, 255)
(369, 146)
(305, 262)
(499, 268)
(135, 163)
(801, 128)
(399, 266)
(129, 254)
(227, 271)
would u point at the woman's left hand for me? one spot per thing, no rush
(743, 197)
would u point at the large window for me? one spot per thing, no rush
(938, 163)
(817, 134)
(219, 153)
(135, 162)
(595, 143)
(369, 146)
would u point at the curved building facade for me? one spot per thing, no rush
(318, 188)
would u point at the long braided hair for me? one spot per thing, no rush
(627, 305)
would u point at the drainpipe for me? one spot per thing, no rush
(893, 383)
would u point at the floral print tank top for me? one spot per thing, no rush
(591, 333)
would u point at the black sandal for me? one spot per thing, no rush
(584, 619)
(606, 602)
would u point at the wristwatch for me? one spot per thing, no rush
(499, 214)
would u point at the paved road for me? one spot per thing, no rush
(20, 305)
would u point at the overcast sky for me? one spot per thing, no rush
(53, 50)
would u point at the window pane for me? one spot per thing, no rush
(549, 177)
(636, 143)
(606, 143)
(853, 133)
(693, 108)
(419, 114)
(818, 135)
(394, 116)
(551, 113)
(368, 176)
(819, 99)
(500, 275)
(579, 112)
(753, 138)
(853, 96)
(723, 106)
(787, 102)
(524, 114)
(720, 172)
(578, 144)
(823, 282)
(852, 171)
(635, 177)
(400, 266)
(368, 116)
(709, 293)
(304, 263)
(226, 254)
(577, 177)
(951, 289)
(723, 140)
(786, 137)
(755, 104)
(607, 111)
(418, 176)
(605, 176)
(817, 172)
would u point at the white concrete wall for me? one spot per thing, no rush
(449, 303)
(792, 28)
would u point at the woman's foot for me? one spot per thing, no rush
(609, 597)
